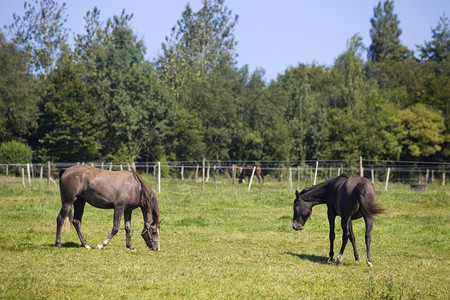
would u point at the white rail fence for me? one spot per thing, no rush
(294, 174)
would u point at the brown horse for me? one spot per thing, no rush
(122, 191)
(350, 198)
(247, 172)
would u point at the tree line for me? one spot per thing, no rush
(99, 99)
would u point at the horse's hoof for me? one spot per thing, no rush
(330, 260)
(99, 246)
(369, 263)
(87, 247)
(339, 259)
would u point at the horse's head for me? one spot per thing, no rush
(302, 211)
(151, 236)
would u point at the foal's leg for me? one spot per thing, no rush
(345, 235)
(127, 219)
(118, 211)
(77, 215)
(352, 239)
(331, 220)
(65, 208)
(369, 227)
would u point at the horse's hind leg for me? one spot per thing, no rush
(345, 236)
(63, 213)
(118, 211)
(352, 240)
(127, 219)
(78, 214)
(369, 227)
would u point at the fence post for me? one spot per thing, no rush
(298, 178)
(203, 174)
(315, 173)
(159, 177)
(290, 178)
(214, 175)
(427, 175)
(387, 178)
(29, 174)
(443, 178)
(41, 175)
(48, 174)
(23, 177)
(251, 178)
(182, 172)
(373, 177)
(233, 172)
(361, 170)
(196, 174)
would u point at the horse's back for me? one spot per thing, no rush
(100, 188)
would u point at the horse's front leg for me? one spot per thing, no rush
(369, 227)
(345, 223)
(331, 220)
(118, 211)
(127, 219)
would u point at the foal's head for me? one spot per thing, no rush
(302, 211)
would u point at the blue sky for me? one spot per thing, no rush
(271, 34)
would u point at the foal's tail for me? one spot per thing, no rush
(366, 198)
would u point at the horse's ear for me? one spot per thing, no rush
(297, 194)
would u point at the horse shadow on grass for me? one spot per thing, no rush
(313, 258)
(66, 245)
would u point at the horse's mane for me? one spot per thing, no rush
(323, 185)
(148, 198)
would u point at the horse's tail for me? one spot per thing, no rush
(147, 198)
(366, 198)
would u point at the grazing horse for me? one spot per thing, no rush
(247, 172)
(350, 198)
(121, 190)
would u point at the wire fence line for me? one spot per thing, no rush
(287, 172)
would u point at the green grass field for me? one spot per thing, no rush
(224, 244)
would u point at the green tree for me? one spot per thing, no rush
(72, 126)
(41, 34)
(19, 94)
(303, 110)
(438, 48)
(14, 152)
(135, 106)
(198, 43)
(425, 131)
(385, 34)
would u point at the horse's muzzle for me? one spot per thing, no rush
(297, 226)
(152, 243)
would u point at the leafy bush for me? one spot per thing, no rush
(14, 152)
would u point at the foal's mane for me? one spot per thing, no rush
(318, 188)
(147, 198)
